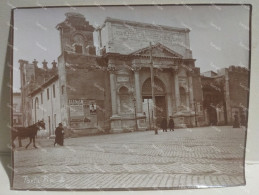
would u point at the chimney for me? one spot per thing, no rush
(45, 67)
(54, 64)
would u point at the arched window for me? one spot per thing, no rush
(78, 40)
(183, 96)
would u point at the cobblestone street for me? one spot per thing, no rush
(197, 157)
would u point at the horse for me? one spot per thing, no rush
(24, 132)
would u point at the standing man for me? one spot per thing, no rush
(236, 123)
(163, 124)
(171, 124)
(243, 119)
(59, 132)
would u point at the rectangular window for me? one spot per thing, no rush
(55, 120)
(48, 93)
(63, 89)
(54, 92)
(49, 123)
(41, 98)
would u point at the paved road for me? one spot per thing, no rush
(211, 156)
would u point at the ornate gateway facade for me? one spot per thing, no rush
(125, 45)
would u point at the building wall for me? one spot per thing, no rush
(238, 91)
(126, 37)
(47, 109)
(88, 85)
(82, 80)
(17, 112)
(26, 75)
(64, 87)
(229, 92)
(17, 102)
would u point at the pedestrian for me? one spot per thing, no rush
(171, 124)
(243, 120)
(163, 124)
(59, 132)
(236, 121)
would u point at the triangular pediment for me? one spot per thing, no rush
(158, 50)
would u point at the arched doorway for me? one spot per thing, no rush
(160, 100)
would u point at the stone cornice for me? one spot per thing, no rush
(145, 25)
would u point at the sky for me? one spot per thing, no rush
(219, 35)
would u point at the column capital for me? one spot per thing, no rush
(111, 68)
(135, 68)
(175, 69)
(135, 65)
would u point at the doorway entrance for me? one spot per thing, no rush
(154, 117)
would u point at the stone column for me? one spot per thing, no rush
(111, 69)
(187, 99)
(177, 92)
(169, 105)
(190, 90)
(136, 70)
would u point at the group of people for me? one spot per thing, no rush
(164, 125)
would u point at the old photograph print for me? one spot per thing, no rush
(130, 97)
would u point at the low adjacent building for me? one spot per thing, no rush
(17, 113)
(225, 94)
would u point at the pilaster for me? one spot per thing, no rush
(177, 92)
(111, 69)
(136, 70)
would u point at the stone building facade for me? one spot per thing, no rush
(83, 79)
(40, 94)
(225, 94)
(108, 88)
(126, 47)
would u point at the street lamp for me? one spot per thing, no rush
(194, 102)
(135, 111)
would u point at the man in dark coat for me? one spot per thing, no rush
(171, 124)
(163, 124)
(243, 119)
(59, 132)
(236, 123)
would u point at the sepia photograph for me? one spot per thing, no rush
(134, 97)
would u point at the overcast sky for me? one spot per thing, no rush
(219, 35)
